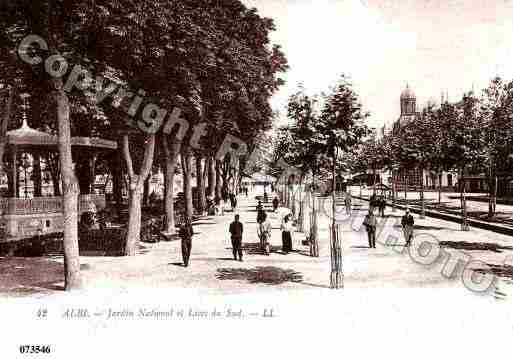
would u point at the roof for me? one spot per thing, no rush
(407, 93)
(27, 136)
(259, 177)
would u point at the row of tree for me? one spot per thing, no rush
(473, 136)
(319, 143)
(210, 59)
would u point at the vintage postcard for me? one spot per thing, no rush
(256, 178)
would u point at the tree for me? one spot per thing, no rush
(340, 128)
(465, 143)
(136, 187)
(494, 113)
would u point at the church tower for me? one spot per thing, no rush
(408, 102)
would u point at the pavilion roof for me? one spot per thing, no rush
(27, 136)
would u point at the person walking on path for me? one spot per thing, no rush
(370, 224)
(286, 234)
(372, 203)
(276, 203)
(185, 232)
(261, 215)
(407, 223)
(236, 230)
(264, 233)
(348, 204)
(259, 206)
(233, 201)
(382, 205)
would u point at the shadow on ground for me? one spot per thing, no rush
(26, 276)
(254, 248)
(417, 227)
(475, 246)
(266, 275)
(504, 271)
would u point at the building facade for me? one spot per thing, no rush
(413, 178)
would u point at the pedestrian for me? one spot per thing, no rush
(276, 203)
(264, 233)
(233, 201)
(221, 206)
(348, 204)
(372, 203)
(370, 224)
(224, 194)
(266, 198)
(185, 232)
(236, 230)
(260, 214)
(382, 205)
(286, 234)
(407, 223)
(246, 190)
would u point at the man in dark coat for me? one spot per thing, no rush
(236, 230)
(372, 203)
(276, 203)
(370, 224)
(407, 223)
(233, 201)
(260, 213)
(185, 232)
(382, 205)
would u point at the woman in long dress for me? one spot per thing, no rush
(286, 234)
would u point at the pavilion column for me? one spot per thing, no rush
(37, 174)
(92, 165)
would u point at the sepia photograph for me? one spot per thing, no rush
(249, 178)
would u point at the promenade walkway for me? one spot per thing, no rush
(213, 270)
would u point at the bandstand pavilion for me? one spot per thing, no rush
(26, 217)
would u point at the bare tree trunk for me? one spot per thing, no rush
(314, 234)
(464, 224)
(186, 159)
(439, 188)
(496, 185)
(200, 186)
(422, 203)
(492, 192)
(146, 192)
(394, 191)
(212, 177)
(237, 176)
(336, 277)
(4, 126)
(219, 180)
(136, 188)
(171, 152)
(72, 276)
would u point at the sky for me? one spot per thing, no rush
(383, 45)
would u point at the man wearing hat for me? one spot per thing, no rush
(407, 224)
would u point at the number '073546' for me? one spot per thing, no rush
(35, 349)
